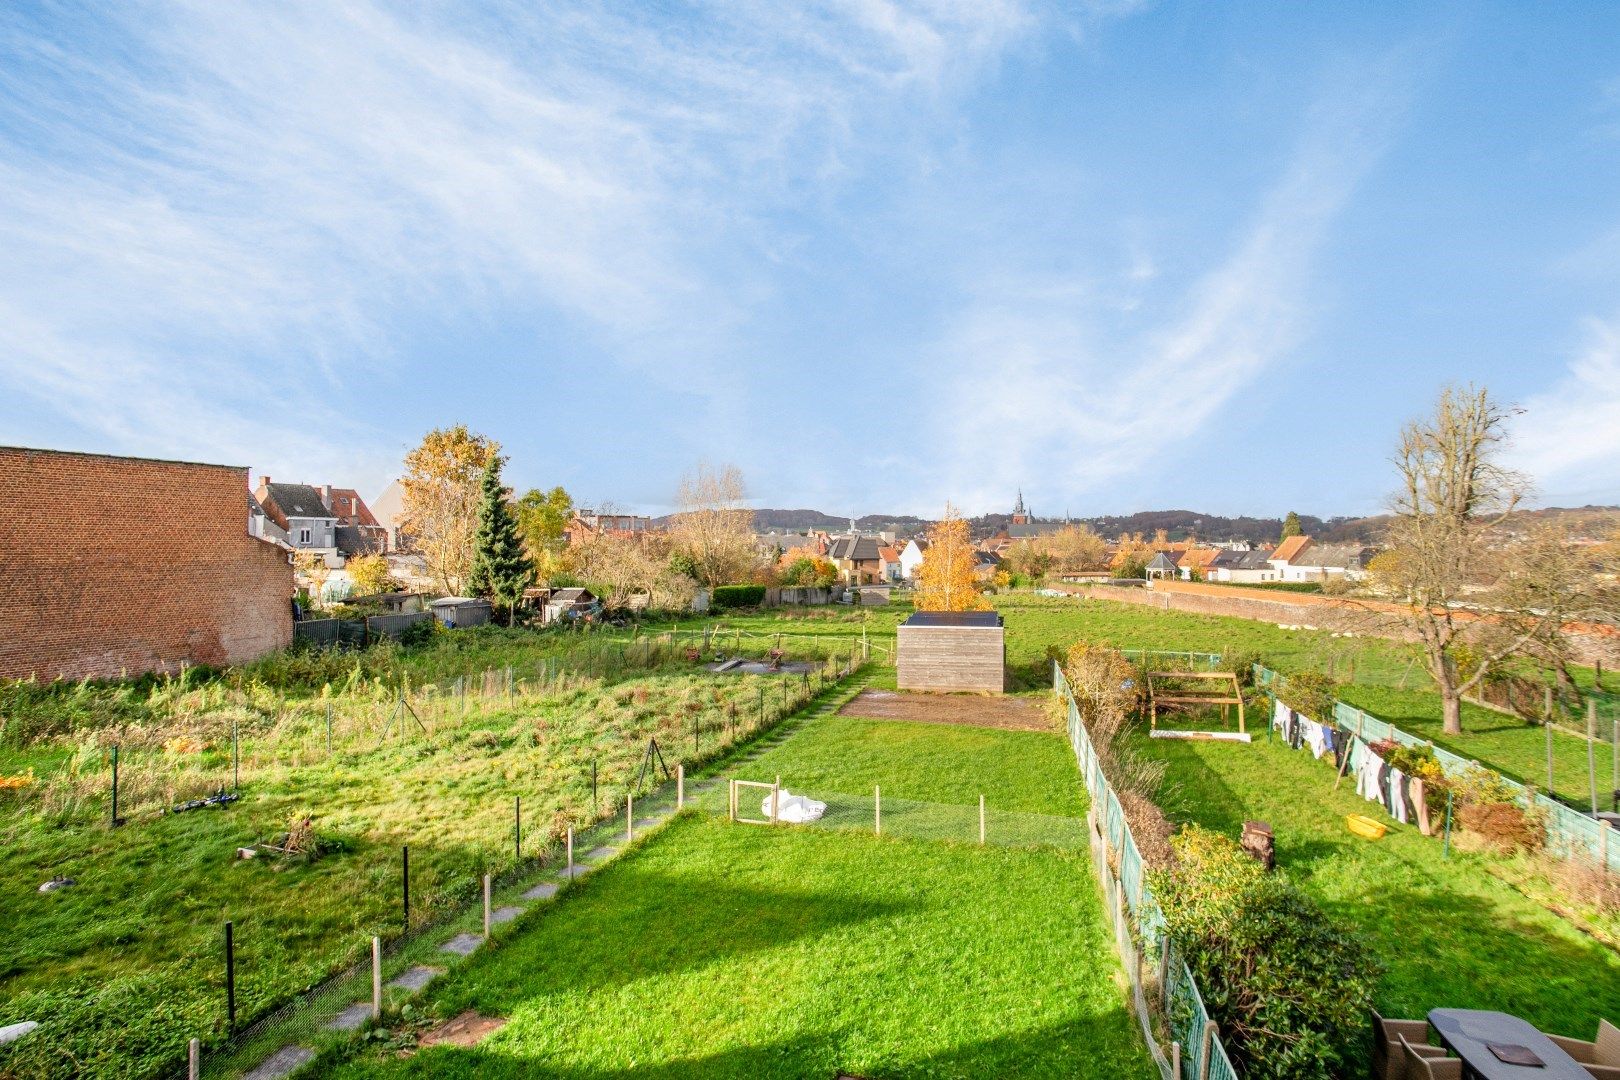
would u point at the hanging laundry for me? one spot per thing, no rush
(1397, 795)
(1279, 715)
(1315, 738)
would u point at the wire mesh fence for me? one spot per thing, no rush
(880, 814)
(1184, 1041)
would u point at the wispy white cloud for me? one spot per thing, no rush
(1568, 437)
(1042, 390)
(216, 213)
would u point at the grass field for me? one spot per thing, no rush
(126, 964)
(1449, 933)
(722, 950)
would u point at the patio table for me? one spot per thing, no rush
(1467, 1031)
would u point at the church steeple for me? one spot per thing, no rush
(1020, 514)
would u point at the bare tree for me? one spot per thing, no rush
(623, 568)
(713, 526)
(1444, 558)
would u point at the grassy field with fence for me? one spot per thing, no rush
(734, 950)
(1377, 675)
(1449, 931)
(475, 774)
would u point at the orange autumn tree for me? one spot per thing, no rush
(945, 581)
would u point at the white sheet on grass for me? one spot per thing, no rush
(793, 809)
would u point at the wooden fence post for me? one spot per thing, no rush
(1203, 1052)
(1591, 751)
(877, 810)
(629, 817)
(570, 853)
(1547, 727)
(376, 977)
(680, 785)
(194, 1059)
(981, 820)
(486, 907)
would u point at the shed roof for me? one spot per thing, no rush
(989, 620)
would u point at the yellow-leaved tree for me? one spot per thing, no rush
(945, 581)
(442, 484)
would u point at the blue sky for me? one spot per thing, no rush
(878, 254)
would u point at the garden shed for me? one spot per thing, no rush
(952, 650)
(461, 611)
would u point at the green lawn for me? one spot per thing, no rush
(1030, 772)
(1449, 932)
(721, 950)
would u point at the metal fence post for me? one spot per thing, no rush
(376, 977)
(115, 821)
(570, 853)
(517, 828)
(629, 818)
(405, 883)
(230, 978)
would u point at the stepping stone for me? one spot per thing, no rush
(350, 1019)
(416, 978)
(649, 822)
(580, 870)
(462, 944)
(505, 914)
(281, 1063)
(603, 852)
(543, 891)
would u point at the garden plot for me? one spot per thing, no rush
(1006, 711)
(126, 964)
(1448, 932)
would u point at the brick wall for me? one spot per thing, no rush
(114, 565)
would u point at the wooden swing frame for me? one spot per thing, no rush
(1176, 700)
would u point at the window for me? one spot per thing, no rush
(303, 536)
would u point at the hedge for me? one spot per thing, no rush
(736, 596)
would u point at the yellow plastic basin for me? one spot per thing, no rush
(1366, 826)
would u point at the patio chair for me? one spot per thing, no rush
(1387, 1034)
(1420, 1066)
(1604, 1052)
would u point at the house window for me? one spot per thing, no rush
(303, 536)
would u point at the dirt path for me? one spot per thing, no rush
(1013, 713)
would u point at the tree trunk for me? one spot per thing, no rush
(1451, 710)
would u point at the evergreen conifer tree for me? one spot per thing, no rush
(501, 567)
(1291, 525)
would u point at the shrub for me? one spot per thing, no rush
(738, 596)
(1241, 663)
(1311, 693)
(1505, 827)
(1288, 985)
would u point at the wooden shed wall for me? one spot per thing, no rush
(952, 658)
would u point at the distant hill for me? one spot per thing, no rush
(1591, 521)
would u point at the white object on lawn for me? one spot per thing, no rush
(13, 1032)
(793, 809)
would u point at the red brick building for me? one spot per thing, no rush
(113, 565)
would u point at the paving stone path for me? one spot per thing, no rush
(543, 891)
(462, 944)
(281, 1063)
(416, 978)
(351, 1018)
(505, 914)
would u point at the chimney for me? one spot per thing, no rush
(264, 481)
(326, 496)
